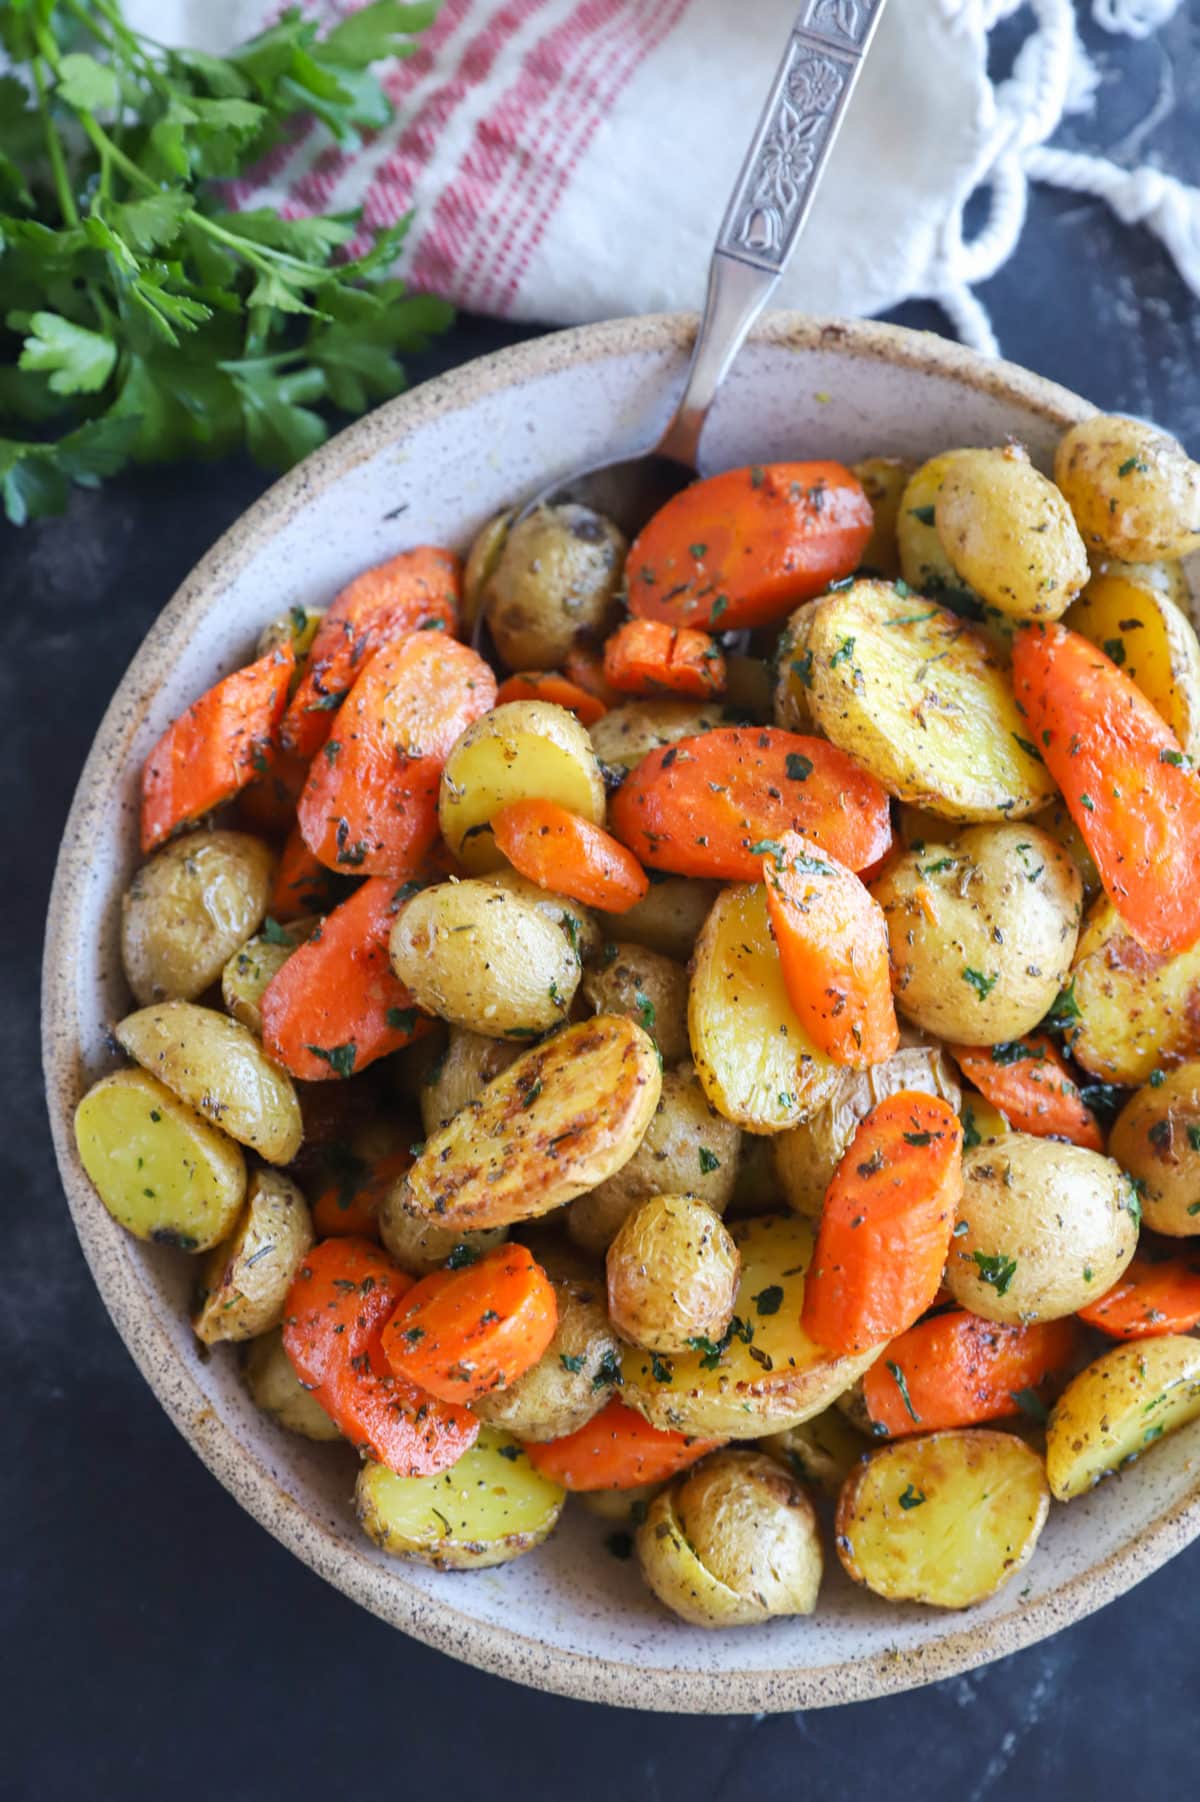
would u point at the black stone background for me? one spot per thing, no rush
(154, 1640)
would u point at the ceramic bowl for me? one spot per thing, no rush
(432, 466)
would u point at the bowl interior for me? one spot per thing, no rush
(432, 467)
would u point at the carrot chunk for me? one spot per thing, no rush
(349, 1206)
(302, 885)
(1031, 1085)
(648, 657)
(549, 685)
(562, 852)
(956, 1370)
(1159, 1293)
(462, 1333)
(617, 1449)
(585, 667)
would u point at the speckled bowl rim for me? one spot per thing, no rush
(434, 1620)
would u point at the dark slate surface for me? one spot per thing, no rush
(154, 1639)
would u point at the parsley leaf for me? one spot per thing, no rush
(340, 1058)
(995, 1269)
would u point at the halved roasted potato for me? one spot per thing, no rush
(1118, 1408)
(1128, 616)
(521, 750)
(460, 1073)
(646, 987)
(924, 565)
(1009, 533)
(1136, 1010)
(672, 1274)
(277, 1390)
(1134, 491)
(188, 909)
(487, 1509)
(1156, 1138)
(420, 1245)
(885, 480)
(574, 1377)
(793, 673)
(252, 968)
(626, 734)
(297, 627)
(245, 1280)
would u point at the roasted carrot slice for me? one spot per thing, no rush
(349, 1205)
(956, 1370)
(1031, 1085)
(743, 548)
(417, 590)
(833, 946)
(648, 657)
(1128, 786)
(548, 685)
(462, 1333)
(585, 667)
(302, 885)
(562, 852)
(886, 1224)
(1159, 1293)
(617, 1449)
(268, 804)
(716, 804)
(370, 803)
(335, 1005)
(211, 752)
(333, 1323)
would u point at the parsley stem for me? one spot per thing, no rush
(62, 181)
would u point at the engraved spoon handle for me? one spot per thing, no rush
(773, 195)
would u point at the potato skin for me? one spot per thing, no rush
(251, 970)
(277, 1390)
(487, 1509)
(687, 1148)
(518, 751)
(1135, 618)
(924, 564)
(1156, 1138)
(672, 1274)
(1118, 1408)
(555, 579)
(982, 930)
(481, 562)
(483, 958)
(646, 987)
(245, 1281)
(460, 1074)
(821, 1451)
(1137, 1012)
(188, 909)
(668, 920)
(574, 1377)
(1134, 491)
(1050, 1227)
(793, 673)
(885, 480)
(1009, 534)
(420, 1246)
(626, 734)
(572, 918)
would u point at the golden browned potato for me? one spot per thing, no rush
(688, 1148)
(982, 930)
(420, 1246)
(480, 565)
(487, 1509)
(668, 919)
(733, 1542)
(794, 673)
(672, 1274)
(297, 627)
(251, 970)
(1134, 491)
(572, 1380)
(821, 1451)
(277, 1390)
(981, 1122)
(1136, 1011)
(162, 1171)
(1049, 1228)
(219, 1068)
(484, 958)
(245, 1281)
(520, 751)
(1009, 533)
(757, 1064)
(1156, 1138)
(578, 922)
(460, 1074)
(807, 1155)
(944, 1518)
(648, 988)
(924, 565)
(554, 581)
(186, 912)
(1119, 1408)
(922, 701)
(1129, 616)
(885, 480)
(561, 1119)
(625, 734)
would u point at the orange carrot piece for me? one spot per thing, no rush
(1159, 1293)
(1126, 782)
(744, 548)
(349, 1207)
(333, 1322)
(548, 685)
(335, 1005)
(417, 590)
(562, 852)
(302, 885)
(714, 805)
(585, 667)
(463, 1333)
(370, 803)
(647, 657)
(211, 752)
(1031, 1085)
(617, 1449)
(268, 804)
(956, 1370)
(886, 1224)
(833, 947)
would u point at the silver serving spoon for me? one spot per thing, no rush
(771, 200)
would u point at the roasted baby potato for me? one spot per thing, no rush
(1135, 1010)
(793, 673)
(277, 1390)
(924, 564)
(560, 1120)
(481, 957)
(555, 580)
(672, 1274)
(920, 699)
(981, 1122)
(246, 1279)
(982, 930)
(757, 1064)
(646, 987)
(572, 917)
(688, 1148)
(251, 970)
(487, 1509)
(946, 1518)
(186, 912)
(1131, 619)
(1156, 1138)
(885, 480)
(574, 1377)
(159, 1169)
(1120, 1406)
(297, 627)
(1049, 1228)
(627, 733)
(481, 562)
(733, 1542)
(1134, 491)
(420, 1246)
(668, 919)
(1009, 534)
(460, 1074)
(218, 1067)
(1062, 829)
(821, 1451)
(807, 1155)
(520, 751)
(764, 1374)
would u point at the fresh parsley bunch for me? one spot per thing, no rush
(145, 319)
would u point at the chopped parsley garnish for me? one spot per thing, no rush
(1130, 464)
(799, 768)
(647, 1013)
(924, 514)
(843, 653)
(340, 1058)
(982, 985)
(912, 1498)
(572, 1361)
(971, 1133)
(1031, 1403)
(1115, 648)
(898, 1378)
(918, 1138)
(709, 1161)
(1012, 1051)
(462, 1256)
(402, 1019)
(1028, 747)
(995, 1269)
(803, 668)
(769, 1300)
(275, 934)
